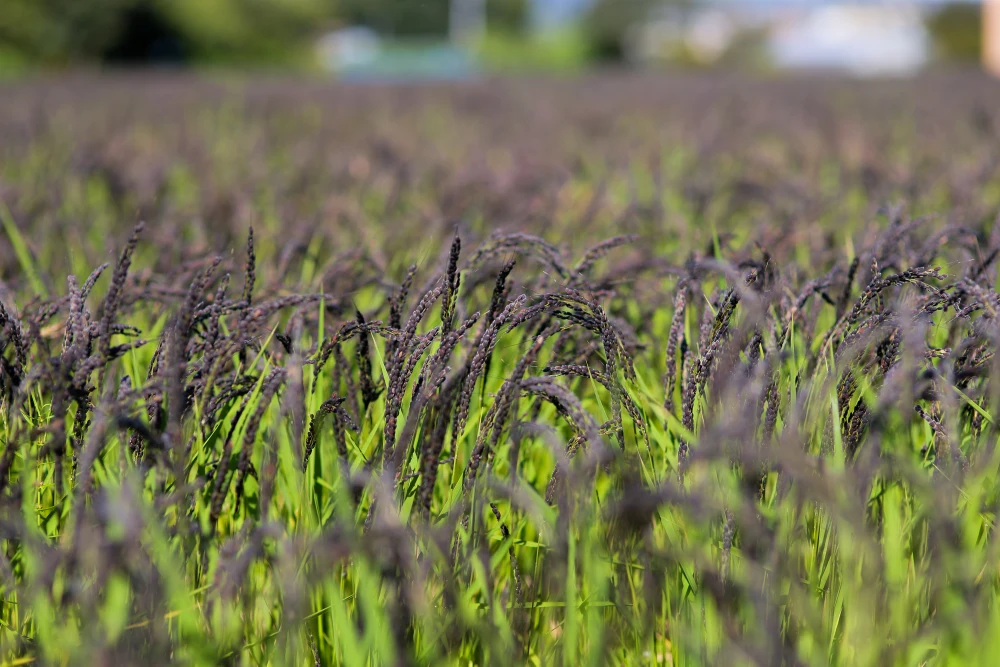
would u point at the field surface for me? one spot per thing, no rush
(611, 370)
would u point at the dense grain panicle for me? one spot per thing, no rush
(396, 305)
(250, 271)
(601, 250)
(479, 361)
(499, 297)
(369, 390)
(673, 337)
(403, 362)
(115, 293)
(328, 407)
(451, 280)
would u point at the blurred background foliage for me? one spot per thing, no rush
(606, 24)
(398, 18)
(64, 31)
(511, 17)
(72, 31)
(957, 32)
(284, 32)
(428, 18)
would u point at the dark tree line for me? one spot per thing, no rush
(176, 30)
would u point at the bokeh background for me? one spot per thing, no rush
(379, 39)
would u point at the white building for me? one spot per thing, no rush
(864, 40)
(348, 47)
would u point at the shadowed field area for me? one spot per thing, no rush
(626, 370)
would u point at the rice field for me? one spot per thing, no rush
(654, 370)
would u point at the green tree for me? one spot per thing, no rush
(507, 16)
(244, 29)
(957, 32)
(61, 29)
(400, 18)
(608, 22)
(80, 30)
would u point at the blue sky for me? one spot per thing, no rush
(551, 12)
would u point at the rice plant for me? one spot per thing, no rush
(626, 371)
